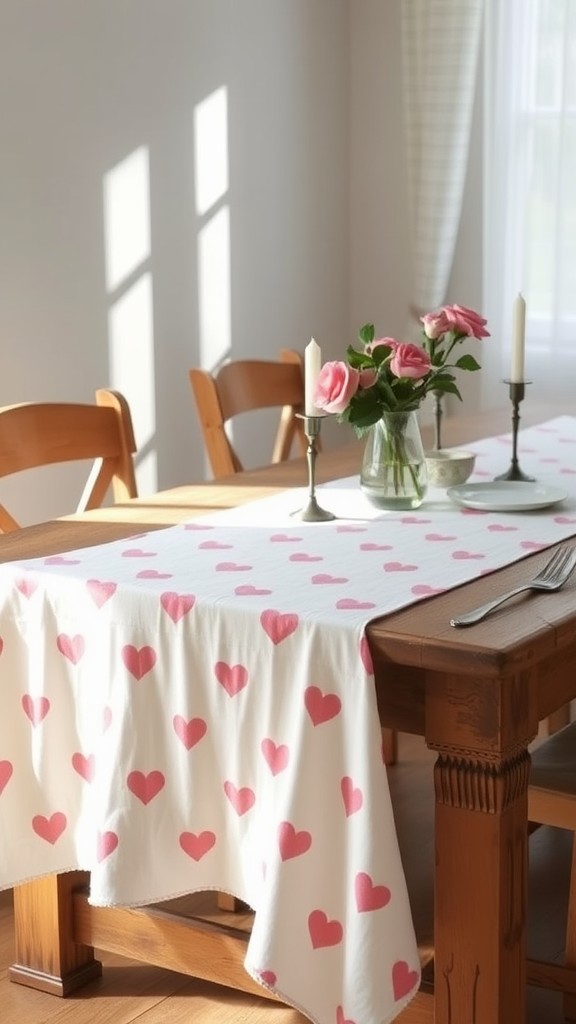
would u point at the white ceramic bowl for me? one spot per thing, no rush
(449, 466)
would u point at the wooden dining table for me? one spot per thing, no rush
(477, 696)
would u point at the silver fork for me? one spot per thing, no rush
(553, 576)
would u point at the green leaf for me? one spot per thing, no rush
(447, 387)
(366, 333)
(467, 362)
(358, 360)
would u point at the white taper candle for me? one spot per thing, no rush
(518, 340)
(312, 364)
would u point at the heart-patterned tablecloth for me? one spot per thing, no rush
(194, 708)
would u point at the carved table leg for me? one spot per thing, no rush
(481, 856)
(47, 958)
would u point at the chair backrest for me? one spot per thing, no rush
(245, 385)
(35, 434)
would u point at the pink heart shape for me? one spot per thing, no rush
(50, 829)
(398, 567)
(366, 656)
(6, 769)
(177, 606)
(424, 590)
(351, 795)
(350, 529)
(145, 787)
(463, 555)
(106, 718)
(232, 567)
(501, 528)
(533, 545)
(61, 560)
(85, 766)
(324, 577)
(285, 538)
(268, 977)
(350, 603)
(138, 553)
(403, 979)
(35, 708)
(437, 537)
(321, 707)
(153, 574)
(242, 799)
(138, 661)
(189, 733)
(72, 647)
(324, 932)
(26, 586)
(414, 519)
(232, 677)
(275, 755)
(292, 843)
(100, 592)
(213, 545)
(301, 556)
(106, 843)
(246, 590)
(369, 896)
(197, 845)
(198, 526)
(564, 519)
(371, 546)
(278, 626)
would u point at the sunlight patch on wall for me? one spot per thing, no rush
(213, 246)
(127, 248)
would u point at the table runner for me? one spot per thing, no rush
(194, 708)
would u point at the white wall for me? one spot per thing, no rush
(101, 96)
(105, 92)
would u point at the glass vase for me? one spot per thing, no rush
(393, 474)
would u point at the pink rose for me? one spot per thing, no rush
(337, 383)
(459, 319)
(390, 342)
(410, 361)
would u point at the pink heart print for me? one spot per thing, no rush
(6, 769)
(232, 567)
(398, 567)
(35, 708)
(138, 661)
(61, 560)
(153, 574)
(321, 707)
(501, 528)
(403, 979)
(414, 519)
(564, 519)
(351, 795)
(366, 656)
(292, 843)
(100, 591)
(324, 932)
(177, 606)
(213, 545)
(232, 677)
(275, 755)
(198, 526)
(106, 718)
(371, 546)
(463, 555)
(246, 590)
(324, 577)
(197, 845)
(242, 799)
(533, 545)
(341, 1017)
(425, 590)
(301, 556)
(437, 537)
(351, 604)
(26, 586)
(50, 829)
(145, 787)
(350, 529)
(85, 765)
(268, 977)
(138, 553)
(189, 733)
(278, 626)
(72, 647)
(369, 896)
(106, 843)
(288, 538)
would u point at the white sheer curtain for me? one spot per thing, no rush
(440, 45)
(530, 200)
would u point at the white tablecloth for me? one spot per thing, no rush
(194, 708)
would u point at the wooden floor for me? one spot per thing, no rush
(129, 991)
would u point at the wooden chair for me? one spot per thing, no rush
(35, 434)
(552, 801)
(245, 385)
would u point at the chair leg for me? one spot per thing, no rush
(569, 999)
(389, 746)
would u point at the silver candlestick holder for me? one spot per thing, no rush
(312, 513)
(516, 396)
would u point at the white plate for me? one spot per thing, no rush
(506, 496)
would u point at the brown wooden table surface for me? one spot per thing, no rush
(476, 695)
